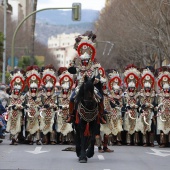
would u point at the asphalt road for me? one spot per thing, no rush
(51, 157)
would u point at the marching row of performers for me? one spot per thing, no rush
(131, 110)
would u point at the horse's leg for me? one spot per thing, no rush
(83, 158)
(77, 140)
(90, 150)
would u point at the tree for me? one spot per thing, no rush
(140, 31)
(25, 61)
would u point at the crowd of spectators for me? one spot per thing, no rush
(4, 97)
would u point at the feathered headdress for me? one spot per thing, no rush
(33, 76)
(132, 75)
(114, 80)
(48, 76)
(147, 78)
(61, 70)
(66, 80)
(17, 79)
(163, 77)
(85, 45)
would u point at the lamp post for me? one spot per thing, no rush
(106, 43)
(4, 43)
(76, 12)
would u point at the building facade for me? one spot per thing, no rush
(61, 47)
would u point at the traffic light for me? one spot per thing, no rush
(76, 11)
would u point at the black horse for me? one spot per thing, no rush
(87, 113)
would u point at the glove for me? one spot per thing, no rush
(128, 108)
(46, 106)
(112, 105)
(143, 106)
(14, 107)
(60, 107)
(117, 102)
(141, 111)
(55, 109)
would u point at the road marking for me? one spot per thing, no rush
(106, 169)
(8, 151)
(158, 152)
(37, 150)
(101, 157)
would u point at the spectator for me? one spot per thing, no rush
(2, 122)
(3, 95)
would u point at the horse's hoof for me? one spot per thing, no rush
(78, 152)
(90, 154)
(83, 160)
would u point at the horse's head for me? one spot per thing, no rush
(86, 91)
(88, 87)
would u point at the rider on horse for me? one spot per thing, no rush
(85, 46)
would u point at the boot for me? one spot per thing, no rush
(136, 139)
(162, 140)
(45, 140)
(99, 144)
(169, 139)
(38, 135)
(101, 111)
(145, 140)
(110, 139)
(14, 142)
(151, 139)
(52, 138)
(105, 143)
(128, 139)
(71, 112)
(30, 139)
(119, 139)
(70, 138)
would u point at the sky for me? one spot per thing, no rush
(85, 4)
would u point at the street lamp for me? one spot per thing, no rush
(4, 43)
(107, 43)
(76, 17)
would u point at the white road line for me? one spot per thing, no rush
(106, 169)
(101, 157)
